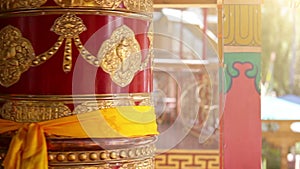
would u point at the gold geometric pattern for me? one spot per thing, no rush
(188, 159)
(242, 25)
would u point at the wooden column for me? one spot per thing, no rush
(241, 125)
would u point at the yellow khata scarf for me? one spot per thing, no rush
(28, 148)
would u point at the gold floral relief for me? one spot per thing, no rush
(93, 3)
(130, 5)
(19, 4)
(120, 56)
(16, 55)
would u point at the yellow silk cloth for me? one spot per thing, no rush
(28, 149)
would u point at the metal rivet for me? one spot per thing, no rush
(82, 156)
(71, 157)
(130, 153)
(103, 156)
(123, 154)
(67, 67)
(43, 58)
(96, 62)
(93, 156)
(138, 152)
(113, 155)
(35, 62)
(61, 157)
(50, 157)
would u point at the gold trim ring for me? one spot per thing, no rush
(119, 7)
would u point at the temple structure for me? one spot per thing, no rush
(110, 84)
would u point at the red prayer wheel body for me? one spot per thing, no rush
(60, 58)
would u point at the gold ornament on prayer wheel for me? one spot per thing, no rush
(75, 84)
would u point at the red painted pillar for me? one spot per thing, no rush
(241, 125)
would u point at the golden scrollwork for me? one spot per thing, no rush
(16, 55)
(120, 56)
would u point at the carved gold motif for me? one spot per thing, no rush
(29, 111)
(20, 4)
(68, 26)
(120, 56)
(16, 55)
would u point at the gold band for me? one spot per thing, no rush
(140, 163)
(104, 156)
(144, 7)
(136, 164)
(35, 110)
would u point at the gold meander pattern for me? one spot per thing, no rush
(122, 62)
(191, 159)
(16, 55)
(35, 111)
(139, 6)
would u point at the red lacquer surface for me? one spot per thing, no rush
(241, 124)
(50, 79)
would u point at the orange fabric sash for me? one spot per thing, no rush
(28, 148)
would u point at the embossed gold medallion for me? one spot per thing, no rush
(16, 55)
(120, 56)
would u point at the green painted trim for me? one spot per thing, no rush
(230, 72)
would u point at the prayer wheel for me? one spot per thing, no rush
(75, 84)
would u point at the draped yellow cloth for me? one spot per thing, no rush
(28, 149)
